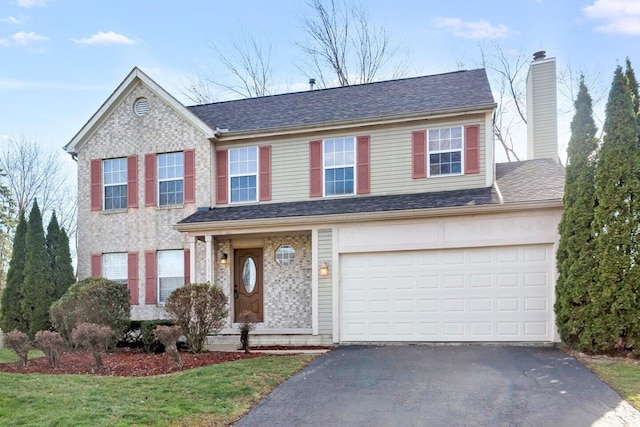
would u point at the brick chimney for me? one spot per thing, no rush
(542, 108)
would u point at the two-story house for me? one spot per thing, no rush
(368, 213)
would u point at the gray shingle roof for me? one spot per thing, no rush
(399, 202)
(418, 95)
(530, 180)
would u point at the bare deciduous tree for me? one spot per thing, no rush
(343, 45)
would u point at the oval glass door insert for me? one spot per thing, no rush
(249, 275)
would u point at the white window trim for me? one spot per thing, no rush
(355, 172)
(257, 175)
(462, 149)
(104, 186)
(181, 260)
(167, 180)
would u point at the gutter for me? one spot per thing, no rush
(229, 227)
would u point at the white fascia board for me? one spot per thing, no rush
(136, 75)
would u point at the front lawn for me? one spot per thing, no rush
(213, 395)
(622, 375)
(8, 356)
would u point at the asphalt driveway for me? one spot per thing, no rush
(443, 386)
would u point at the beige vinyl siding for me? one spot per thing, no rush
(325, 299)
(390, 160)
(542, 111)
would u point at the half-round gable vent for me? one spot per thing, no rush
(141, 106)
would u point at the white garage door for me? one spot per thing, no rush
(481, 294)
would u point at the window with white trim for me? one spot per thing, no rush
(170, 272)
(445, 151)
(114, 267)
(243, 174)
(339, 158)
(114, 183)
(170, 179)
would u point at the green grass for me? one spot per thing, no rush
(212, 395)
(623, 376)
(8, 356)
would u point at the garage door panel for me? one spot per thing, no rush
(493, 294)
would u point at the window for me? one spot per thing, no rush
(285, 255)
(243, 174)
(114, 178)
(170, 179)
(339, 161)
(445, 151)
(114, 267)
(170, 272)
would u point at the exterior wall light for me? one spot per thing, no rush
(225, 259)
(324, 269)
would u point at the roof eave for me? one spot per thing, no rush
(232, 227)
(136, 75)
(347, 124)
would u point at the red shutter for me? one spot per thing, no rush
(96, 184)
(149, 179)
(132, 277)
(265, 173)
(221, 176)
(315, 169)
(187, 266)
(472, 149)
(150, 285)
(364, 170)
(132, 181)
(96, 265)
(419, 139)
(189, 176)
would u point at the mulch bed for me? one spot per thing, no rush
(124, 362)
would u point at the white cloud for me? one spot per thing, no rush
(617, 16)
(12, 20)
(105, 38)
(24, 39)
(31, 3)
(473, 29)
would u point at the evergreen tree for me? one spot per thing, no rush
(633, 87)
(59, 258)
(11, 311)
(37, 288)
(615, 306)
(575, 257)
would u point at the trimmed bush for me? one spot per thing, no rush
(93, 300)
(19, 342)
(198, 309)
(149, 339)
(94, 338)
(168, 336)
(51, 343)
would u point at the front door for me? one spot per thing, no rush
(247, 288)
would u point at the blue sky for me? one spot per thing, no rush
(62, 58)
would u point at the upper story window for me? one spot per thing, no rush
(243, 174)
(339, 164)
(114, 178)
(114, 267)
(170, 179)
(170, 272)
(445, 151)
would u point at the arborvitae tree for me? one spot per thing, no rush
(575, 257)
(633, 87)
(615, 307)
(37, 288)
(59, 258)
(11, 310)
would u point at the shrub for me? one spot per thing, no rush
(94, 338)
(92, 300)
(168, 336)
(247, 321)
(198, 309)
(19, 342)
(149, 340)
(51, 343)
